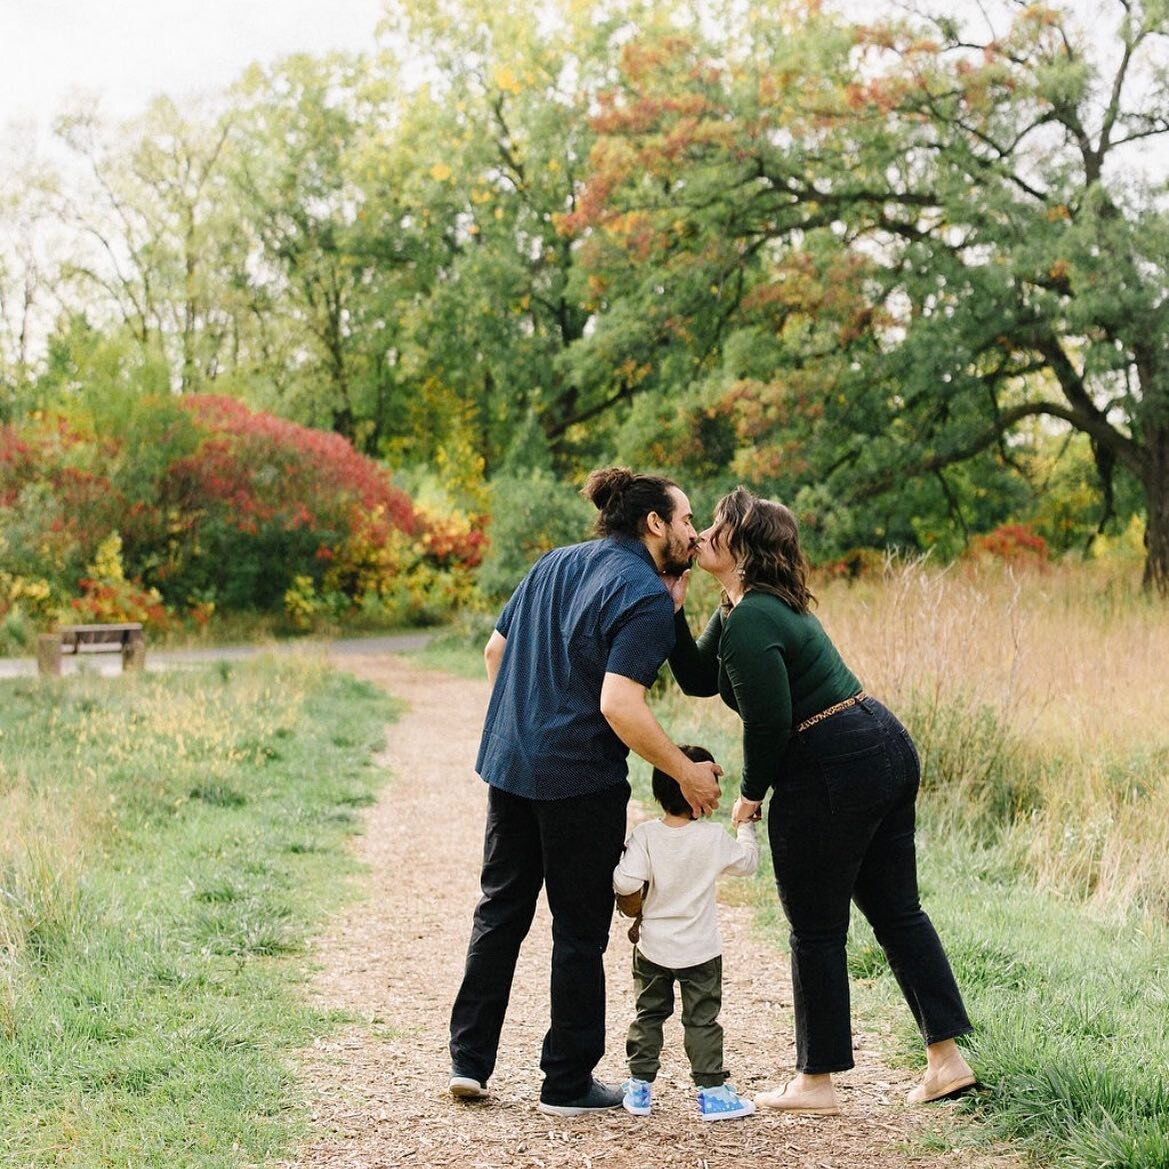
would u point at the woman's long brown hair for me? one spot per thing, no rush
(764, 539)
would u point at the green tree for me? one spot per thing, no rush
(883, 249)
(317, 281)
(27, 274)
(154, 251)
(501, 136)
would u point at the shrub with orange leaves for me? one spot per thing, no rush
(856, 564)
(106, 594)
(1018, 545)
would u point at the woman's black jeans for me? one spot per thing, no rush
(570, 847)
(841, 826)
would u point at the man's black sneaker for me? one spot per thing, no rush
(466, 1087)
(596, 1099)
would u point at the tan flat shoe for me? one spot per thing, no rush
(804, 1103)
(927, 1093)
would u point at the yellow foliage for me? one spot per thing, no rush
(33, 595)
(108, 596)
(460, 465)
(301, 602)
(1128, 545)
(440, 172)
(368, 560)
(506, 80)
(107, 563)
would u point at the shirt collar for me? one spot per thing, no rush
(637, 547)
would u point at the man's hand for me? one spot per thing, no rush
(700, 787)
(745, 810)
(624, 706)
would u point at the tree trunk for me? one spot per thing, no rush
(1156, 484)
(190, 315)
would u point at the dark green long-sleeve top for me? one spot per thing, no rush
(773, 666)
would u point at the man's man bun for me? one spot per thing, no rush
(606, 485)
(625, 499)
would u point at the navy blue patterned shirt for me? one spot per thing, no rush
(581, 612)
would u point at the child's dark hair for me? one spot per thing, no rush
(665, 787)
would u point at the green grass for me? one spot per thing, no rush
(170, 843)
(1072, 1013)
(458, 648)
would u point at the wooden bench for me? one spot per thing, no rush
(127, 638)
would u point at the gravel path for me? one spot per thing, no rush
(394, 960)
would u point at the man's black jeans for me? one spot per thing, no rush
(841, 828)
(570, 847)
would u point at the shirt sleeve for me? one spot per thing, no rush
(752, 657)
(694, 664)
(743, 851)
(643, 641)
(504, 623)
(633, 869)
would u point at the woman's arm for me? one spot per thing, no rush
(694, 664)
(752, 657)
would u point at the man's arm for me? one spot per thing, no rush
(624, 706)
(493, 654)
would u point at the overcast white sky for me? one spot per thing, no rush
(129, 51)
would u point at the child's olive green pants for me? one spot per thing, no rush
(702, 996)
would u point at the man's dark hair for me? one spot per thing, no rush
(665, 787)
(625, 499)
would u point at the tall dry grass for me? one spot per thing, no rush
(1040, 704)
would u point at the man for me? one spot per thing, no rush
(571, 658)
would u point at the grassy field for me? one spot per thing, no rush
(170, 840)
(1039, 705)
(168, 843)
(1040, 702)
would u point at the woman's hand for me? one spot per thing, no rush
(745, 810)
(676, 586)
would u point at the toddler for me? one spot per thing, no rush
(667, 877)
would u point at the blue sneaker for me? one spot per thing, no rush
(638, 1097)
(722, 1103)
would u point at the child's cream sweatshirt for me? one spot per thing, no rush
(679, 925)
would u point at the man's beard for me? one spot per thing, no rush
(677, 557)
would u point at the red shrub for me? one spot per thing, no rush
(1015, 544)
(223, 514)
(17, 465)
(270, 469)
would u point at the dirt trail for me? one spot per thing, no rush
(394, 961)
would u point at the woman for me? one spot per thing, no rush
(841, 822)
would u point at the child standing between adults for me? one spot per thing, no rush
(667, 873)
